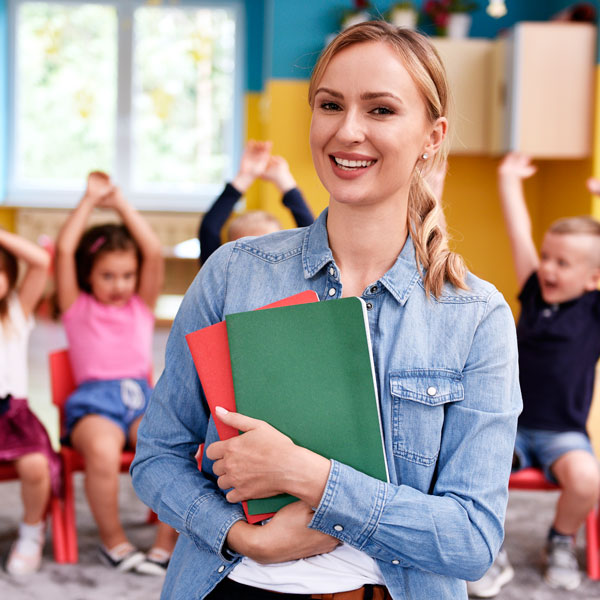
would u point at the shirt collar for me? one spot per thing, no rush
(316, 254)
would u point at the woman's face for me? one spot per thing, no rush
(369, 126)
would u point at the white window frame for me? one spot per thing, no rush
(196, 199)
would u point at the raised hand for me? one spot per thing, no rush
(593, 186)
(278, 172)
(516, 165)
(254, 160)
(98, 185)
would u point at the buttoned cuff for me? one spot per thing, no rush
(351, 505)
(208, 522)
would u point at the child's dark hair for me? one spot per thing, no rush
(94, 243)
(8, 264)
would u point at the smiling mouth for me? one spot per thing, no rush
(352, 165)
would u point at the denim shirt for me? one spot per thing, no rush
(447, 379)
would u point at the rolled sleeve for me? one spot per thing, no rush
(457, 528)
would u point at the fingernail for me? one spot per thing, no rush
(221, 411)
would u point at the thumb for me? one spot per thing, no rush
(236, 420)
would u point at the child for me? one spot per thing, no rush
(24, 440)
(559, 344)
(108, 280)
(256, 162)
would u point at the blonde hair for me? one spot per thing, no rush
(425, 217)
(253, 222)
(582, 225)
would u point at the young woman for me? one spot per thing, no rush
(445, 362)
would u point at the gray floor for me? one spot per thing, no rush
(529, 515)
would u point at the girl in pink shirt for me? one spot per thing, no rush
(108, 281)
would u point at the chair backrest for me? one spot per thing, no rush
(62, 382)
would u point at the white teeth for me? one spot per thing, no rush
(352, 164)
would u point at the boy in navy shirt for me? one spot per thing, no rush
(559, 345)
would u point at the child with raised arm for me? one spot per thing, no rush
(559, 345)
(108, 281)
(23, 439)
(257, 162)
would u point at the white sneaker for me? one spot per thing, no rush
(562, 569)
(25, 555)
(497, 576)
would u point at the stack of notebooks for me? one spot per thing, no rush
(306, 368)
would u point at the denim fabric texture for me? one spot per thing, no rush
(447, 377)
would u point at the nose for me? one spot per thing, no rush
(351, 128)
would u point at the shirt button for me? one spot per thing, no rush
(395, 562)
(431, 391)
(331, 271)
(369, 305)
(338, 528)
(221, 569)
(332, 291)
(373, 289)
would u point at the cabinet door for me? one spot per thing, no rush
(551, 91)
(467, 66)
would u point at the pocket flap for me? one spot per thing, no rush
(427, 386)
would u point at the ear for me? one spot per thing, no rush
(593, 280)
(436, 136)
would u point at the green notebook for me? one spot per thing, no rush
(308, 371)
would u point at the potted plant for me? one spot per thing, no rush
(358, 14)
(450, 17)
(403, 14)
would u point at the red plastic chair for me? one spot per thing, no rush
(534, 479)
(59, 545)
(63, 383)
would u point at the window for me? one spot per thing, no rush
(147, 91)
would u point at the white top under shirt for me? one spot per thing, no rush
(341, 570)
(14, 335)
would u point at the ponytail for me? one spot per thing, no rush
(428, 230)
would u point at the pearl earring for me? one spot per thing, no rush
(424, 156)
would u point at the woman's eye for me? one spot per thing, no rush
(382, 110)
(330, 106)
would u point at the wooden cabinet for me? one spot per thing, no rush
(467, 66)
(531, 91)
(544, 90)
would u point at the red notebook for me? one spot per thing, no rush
(210, 352)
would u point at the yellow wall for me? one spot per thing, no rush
(7, 218)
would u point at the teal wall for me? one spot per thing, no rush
(299, 34)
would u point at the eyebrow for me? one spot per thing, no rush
(365, 96)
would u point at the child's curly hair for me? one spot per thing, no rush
(8, 264)
(95, 242)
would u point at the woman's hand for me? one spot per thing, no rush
(285, 537)
(250, 463)
(262, 462)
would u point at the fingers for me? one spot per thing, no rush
(236, 420)
(593, 186)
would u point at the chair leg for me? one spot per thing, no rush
(59, 540)
(593, 544)
(69, 513)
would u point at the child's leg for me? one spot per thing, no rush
(34, 473)
(579, 478)
(101, 442)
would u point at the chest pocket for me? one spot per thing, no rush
(419, 401)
